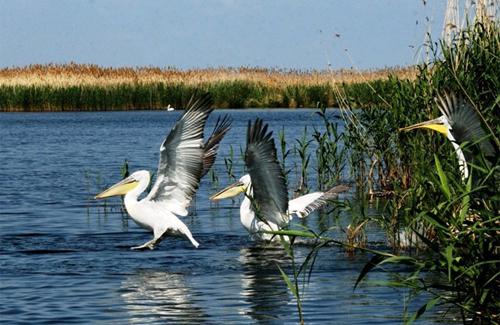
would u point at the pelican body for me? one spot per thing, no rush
(266, 206)
(184, 159)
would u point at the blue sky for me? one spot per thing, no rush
(214, 33)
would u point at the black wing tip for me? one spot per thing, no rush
(258, 132)
(222, 127)
(450, 103)
(223, 124)
(200, 100)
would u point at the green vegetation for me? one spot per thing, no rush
(91, 88)
(444, 230)
(226, 94)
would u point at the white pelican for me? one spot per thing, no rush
(183, 160)
(460, 124)
(266, 206)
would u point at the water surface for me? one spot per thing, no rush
(66, 258)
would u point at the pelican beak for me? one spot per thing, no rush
(435, 125)
(230, 191)
(120, 188)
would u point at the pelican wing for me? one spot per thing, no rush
(181, 158)
(305, 204)
(270, 195)
(464, 121)
(212, 145)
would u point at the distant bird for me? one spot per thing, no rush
(460, 124)
(266, 206)
(183, 159)
(170, 108)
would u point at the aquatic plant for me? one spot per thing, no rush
(228, 163)
(462, 250)
(454, 225)
(331, 154)
(301, 148)
(284, 153)
(89, 87)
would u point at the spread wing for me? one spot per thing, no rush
(464, 122)
(270, 195)
(181, 158)
(305, 204)
(222, 126)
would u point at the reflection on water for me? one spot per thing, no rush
(158, 296)
(65, 259)
(262, 287)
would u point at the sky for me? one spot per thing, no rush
(288, 34)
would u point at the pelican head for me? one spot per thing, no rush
(234, 189)
(126, 185)
(440, 124)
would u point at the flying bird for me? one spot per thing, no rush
(460, 124)
(266, 206)
(184, 158)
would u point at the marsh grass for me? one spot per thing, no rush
(443, 230)
(89, 87)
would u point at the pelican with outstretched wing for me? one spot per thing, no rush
(460, 124)
(266, 206)
(184, 158)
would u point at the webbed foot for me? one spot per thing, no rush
(150, 244)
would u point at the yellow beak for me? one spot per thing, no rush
(230, 191)
(435, 125)
(120, 188)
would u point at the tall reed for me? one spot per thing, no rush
(89, 87)
(455, 225)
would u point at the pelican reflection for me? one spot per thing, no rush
(262, 288)
(158, 296)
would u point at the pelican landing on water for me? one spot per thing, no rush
(266, 206)
(184, 159)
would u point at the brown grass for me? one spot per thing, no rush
(66, 75)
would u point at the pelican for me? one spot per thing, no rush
(460, 124)
(266, 206)
(184, 158)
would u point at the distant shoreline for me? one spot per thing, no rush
(76, 87)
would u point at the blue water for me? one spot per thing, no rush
(66, 258)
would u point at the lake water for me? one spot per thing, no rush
(66, 258)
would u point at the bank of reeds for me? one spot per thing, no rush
(79, 87)
(443, 230)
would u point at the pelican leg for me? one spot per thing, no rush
(159, 234)
(184, 231)
(150, 244)
(158, 237)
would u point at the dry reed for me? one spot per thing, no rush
(67, 75)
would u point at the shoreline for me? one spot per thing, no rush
(74, 87)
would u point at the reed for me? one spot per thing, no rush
(454, 226)
(75, 87)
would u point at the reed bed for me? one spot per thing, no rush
(442, 230)
(66, 87)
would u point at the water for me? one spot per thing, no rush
(65, 257)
